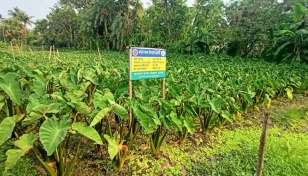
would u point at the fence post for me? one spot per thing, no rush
(262, 143)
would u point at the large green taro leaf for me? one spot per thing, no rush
(53, 132)
(6, 129)
(11, 87)
(24, 144)
(88, 132)
(100, 115)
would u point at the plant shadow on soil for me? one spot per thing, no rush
(231, 150)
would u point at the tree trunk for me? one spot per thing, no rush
(106, 35)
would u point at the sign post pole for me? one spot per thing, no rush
(130, 96)
(164, 88)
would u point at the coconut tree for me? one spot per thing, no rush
(26, 20)
(15, 12)
(23, 17)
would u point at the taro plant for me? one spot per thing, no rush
(107, 109)
(118, 152)
(182, 117)
(53, 144)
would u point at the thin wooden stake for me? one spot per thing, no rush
(262, 143)
(49, 53)
(12, 51)
(53, 51)
(99, 54)
(164, 88)
(31, 51)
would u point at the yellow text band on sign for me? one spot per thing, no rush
(147, 63)
(140, 64)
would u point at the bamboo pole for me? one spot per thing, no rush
(262, 143)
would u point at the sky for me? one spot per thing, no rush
(40, 8)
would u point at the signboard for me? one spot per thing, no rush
(147, 63)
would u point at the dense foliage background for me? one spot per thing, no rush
(271, 29)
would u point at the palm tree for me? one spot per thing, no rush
(15, 12)
(1, 18)
(26, 20)
(23, 17)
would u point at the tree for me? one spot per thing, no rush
(23, 17)
(15, 12)
(292, 41)
(26, 20)
(11, 29)
(61, 27)
(251, 25)
(207, 26)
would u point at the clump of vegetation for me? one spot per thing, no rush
(25, 166)
(84, 98)
(275, 30)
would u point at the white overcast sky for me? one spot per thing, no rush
(40, 8)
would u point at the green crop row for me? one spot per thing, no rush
(48, 99)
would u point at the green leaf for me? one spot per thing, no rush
(165, 118)
(49, 169)
(151, 113)
(167, 105)
(113, 147)
(39, 85)
(53, 132)
(118, 110)
(90, 75)
(100, 115)
(267, 101)
(88, 132)
(145, 121)
(227, 115)
(248, 98)
(11, 87)
(215, 105)
(6, 129)
(24, 143)
(289, 92)
(41, 110)
(189, 124)
(299, 11)
(190, 110)
(176, 121)
(82, 108)
(68, 170)
(101, 101)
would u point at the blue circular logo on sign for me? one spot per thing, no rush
(163, 53)
(135, 52)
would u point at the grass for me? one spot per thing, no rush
(235, 151)
(24, 166)
(230, 152)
